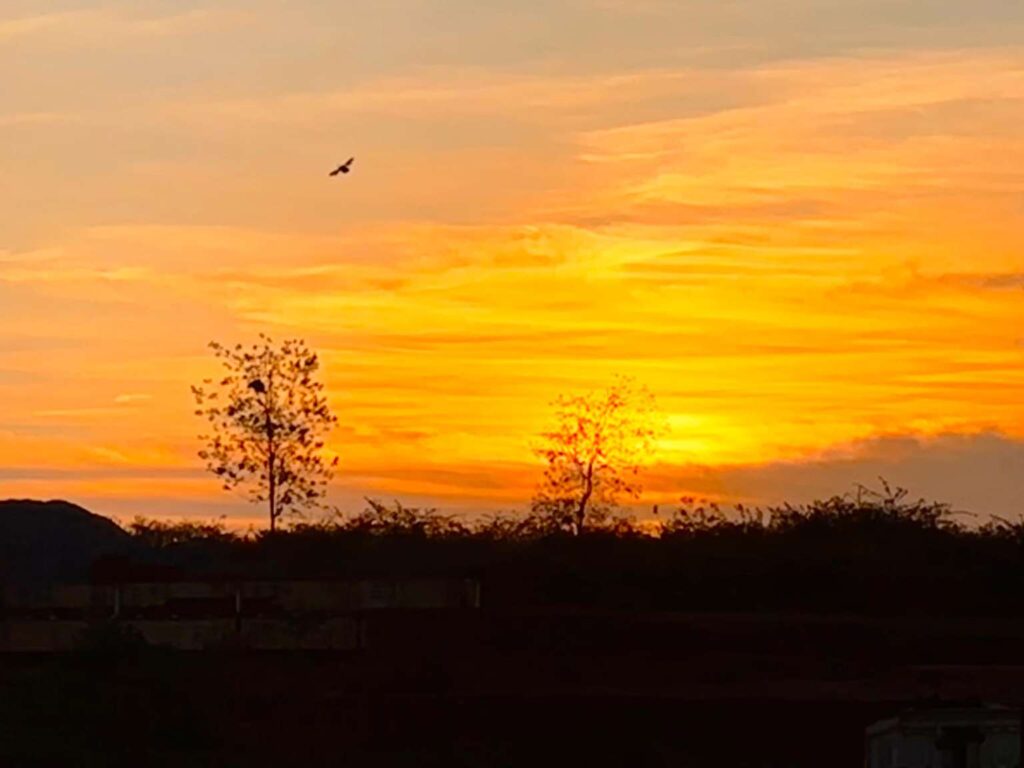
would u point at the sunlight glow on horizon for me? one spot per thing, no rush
(812, 254)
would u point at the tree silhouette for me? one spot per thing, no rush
(268, 418)
(594, 455)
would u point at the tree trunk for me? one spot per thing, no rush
(581, 510)
(272, 491)
(271, 450)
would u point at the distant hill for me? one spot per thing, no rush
(53, 540)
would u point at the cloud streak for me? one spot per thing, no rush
(95, 25)
(796, 250)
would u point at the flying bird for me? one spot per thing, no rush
(343, 168)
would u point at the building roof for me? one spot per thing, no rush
(945, 714)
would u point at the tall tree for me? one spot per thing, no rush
(268, 419)
(594, 455)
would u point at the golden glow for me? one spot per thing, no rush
(793, 255)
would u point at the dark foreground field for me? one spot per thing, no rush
(722, 643)
(512, 689)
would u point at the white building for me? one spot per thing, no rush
(985, 736)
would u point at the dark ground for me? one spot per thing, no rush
(719, 644)
(530, 689)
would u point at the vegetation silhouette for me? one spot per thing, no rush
(870, 551)
(613, 633)
(594, 454)
(399, 520)
(268, 418)
(160, 534)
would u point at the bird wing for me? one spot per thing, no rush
(343, 168)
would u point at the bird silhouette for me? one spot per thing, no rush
(257, 386)
(343, 168)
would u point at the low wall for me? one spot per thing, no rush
(334, 634)
(180, 600)
(40, 636)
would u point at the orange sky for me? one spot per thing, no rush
(799, 222)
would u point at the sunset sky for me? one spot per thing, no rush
(799, 222)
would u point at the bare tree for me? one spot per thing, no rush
(268, 418)
(594, 455)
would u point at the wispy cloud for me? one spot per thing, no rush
(98, 24)
(795, 251)
(462, 91)
(13, 28)
(132, 397)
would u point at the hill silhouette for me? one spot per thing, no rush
(42, 541)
